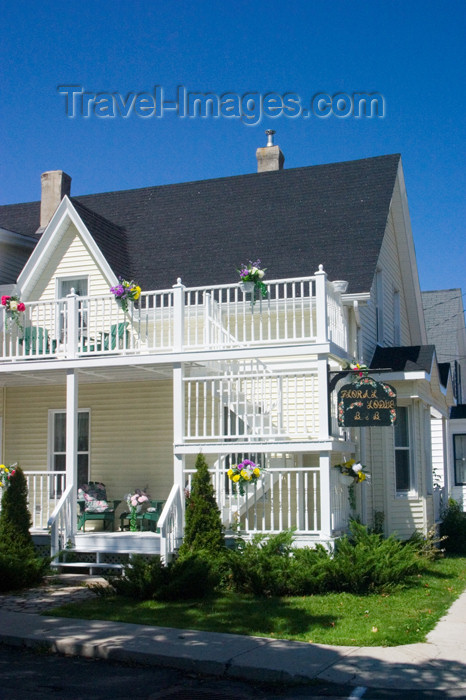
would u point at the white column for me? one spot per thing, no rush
(178, 421)
(178, 315)
(321, 305)
(178, 428)
(72, 440)
(71, 324)
(325, 496)
(322, 382)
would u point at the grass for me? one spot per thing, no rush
(402, 617)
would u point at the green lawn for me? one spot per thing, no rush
(403, 617)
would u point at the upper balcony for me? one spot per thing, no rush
(221, 317)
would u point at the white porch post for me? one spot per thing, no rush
(178, 428)
(178, 314)
(71, 324)
(322, 379)
(72, 440)
(321, 305)
(325, 496)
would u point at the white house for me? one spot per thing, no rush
(89, 392)
(445, 326)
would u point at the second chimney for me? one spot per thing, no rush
(270, 157)
(54, 185)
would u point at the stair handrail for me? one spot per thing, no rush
(60, 522)
(170, 524)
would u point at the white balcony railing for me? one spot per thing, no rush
(283, 498)
(216, 317)
(251, 405)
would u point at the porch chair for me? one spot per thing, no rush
(148, 517)
(93, 505)
(117, 338)
(35, 340)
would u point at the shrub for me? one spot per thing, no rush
(19, 565)
(366, 563)
(18, 572)
(453, 527)
(15, 519)
(194, 576)
(141, 578)
(428, 546)
(203, 525)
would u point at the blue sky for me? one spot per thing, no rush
(412, 53)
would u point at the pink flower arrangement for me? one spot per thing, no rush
(13, 307)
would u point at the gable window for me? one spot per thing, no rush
(403, 467)
(57, 445)
(396, 318)
(64, 287)
(459, 447)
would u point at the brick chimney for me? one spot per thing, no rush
(54, 185)
(270, 157)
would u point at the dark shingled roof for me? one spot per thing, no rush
(293, 220)
(408, 358)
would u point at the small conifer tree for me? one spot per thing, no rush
(203, 525)
(15, 519)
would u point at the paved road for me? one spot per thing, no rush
(28, 675)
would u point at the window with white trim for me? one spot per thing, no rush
(64, 287)
(396, 318)
(403, 461)
(459, 448)
(379, 319)
(57, 444)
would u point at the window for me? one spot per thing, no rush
(58, 444)
(64, 287)
(459, 447)
(396, 318)
(403, 471)
(379, 306)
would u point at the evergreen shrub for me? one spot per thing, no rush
(203, 524)
(453, 527)
(20, 567)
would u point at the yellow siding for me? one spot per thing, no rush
(71, 258)
(131, 432)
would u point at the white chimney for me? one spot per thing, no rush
(54, 185)
(270, 157)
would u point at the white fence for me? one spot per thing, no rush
(283, 498)
(216, 317)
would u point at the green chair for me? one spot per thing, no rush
(35, 340)
(147, 519)
(119, 336)
(93, 505)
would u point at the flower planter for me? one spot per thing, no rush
(340, 286)
(247, 287)
(346, 479)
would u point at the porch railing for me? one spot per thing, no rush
(283, 498)
(61, 522)
(170, 524)
(244, 404)
(295, 310)
(44, 491)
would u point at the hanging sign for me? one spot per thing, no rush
(365, 402)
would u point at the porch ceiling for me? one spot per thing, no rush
(95, 375)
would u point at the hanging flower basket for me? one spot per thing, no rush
(247, 287)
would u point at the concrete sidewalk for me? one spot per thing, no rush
(440, 663)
